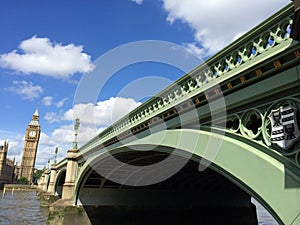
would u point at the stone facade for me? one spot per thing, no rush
(7, 167)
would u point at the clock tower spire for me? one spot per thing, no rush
(32, 137)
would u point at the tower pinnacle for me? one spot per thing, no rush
(36, 112)
(35, 117)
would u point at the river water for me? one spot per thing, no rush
(23, 208)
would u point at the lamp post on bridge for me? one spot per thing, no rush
(72, 166)
(55, 155)
(76, 127)
(51, 187)
(46, 177)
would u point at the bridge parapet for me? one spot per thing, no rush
(61, 164)
(258, 45)
(254, 124)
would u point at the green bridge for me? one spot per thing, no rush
(223, 133)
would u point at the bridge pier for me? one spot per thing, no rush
(51, 187)
(41, 182)
(46, 180)
(69, 185)
(63, 211)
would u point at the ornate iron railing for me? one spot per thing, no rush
(261, 43)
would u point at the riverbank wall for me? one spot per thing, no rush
(19, 187)
(62, 212)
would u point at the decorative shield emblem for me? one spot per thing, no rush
(284, 126)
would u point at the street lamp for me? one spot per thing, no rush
(55, 155)
(76, 126)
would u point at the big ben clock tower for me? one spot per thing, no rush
(32, 137)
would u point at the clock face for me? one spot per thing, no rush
(32, 133)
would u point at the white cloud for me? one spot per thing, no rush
(194, 49)
(26, 90)
(216, 23)
(15, 146)
(47, 100)
(41, 56)
(52, 117)
(139, 2)
(104, 113)
(60, 138)
(61, 102)
(64, 134)
(93, 119)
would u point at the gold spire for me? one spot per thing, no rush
(36, 113)
(35, 117)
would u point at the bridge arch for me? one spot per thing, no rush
(254, 168)
(59, 182)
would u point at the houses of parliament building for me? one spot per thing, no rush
(10, 172)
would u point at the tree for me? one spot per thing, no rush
(37, 174)
(23, 180)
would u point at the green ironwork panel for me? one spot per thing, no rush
(263, 42)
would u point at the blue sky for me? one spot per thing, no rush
(46, 47)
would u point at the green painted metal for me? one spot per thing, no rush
(245, 157)
(249, 167)
(246, 52)
(229, 62)
(62, 163)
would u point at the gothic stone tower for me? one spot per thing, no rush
(3, 157)
(32, 137)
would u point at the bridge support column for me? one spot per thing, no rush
(69, 185)
(46, 180)
(52, 179)
(41, 182)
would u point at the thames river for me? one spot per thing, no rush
(23, 208)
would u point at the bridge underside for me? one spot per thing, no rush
(188, 197)
(60, 183)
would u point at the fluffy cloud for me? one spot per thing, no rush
(41, 56)
(139, 2)
(15, 145)
(61, 138)
(52, 117)
(102, 114)
(93, 120)
(61, 103)
(26, 90)
(105, 113)
(216, 23)
(47, 101)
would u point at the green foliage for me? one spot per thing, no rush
(37, 174)
(23, 180)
